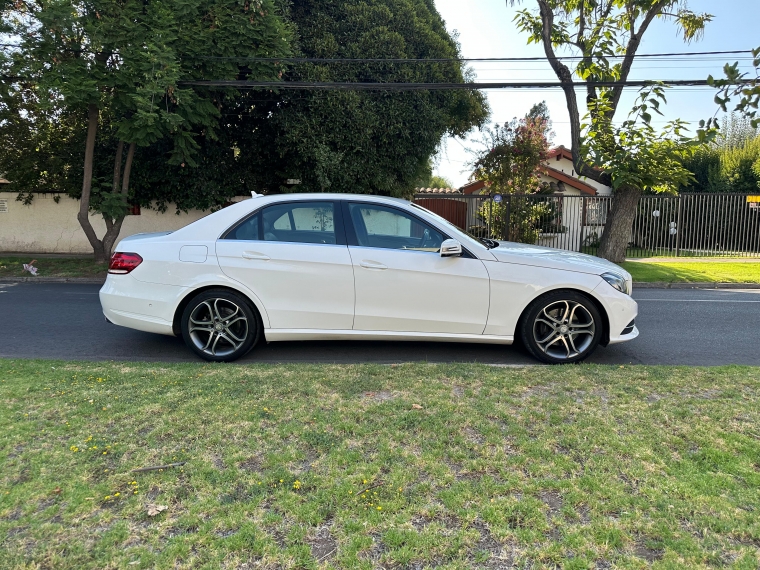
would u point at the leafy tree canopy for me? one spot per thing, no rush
(354, 141)
(632, 156)
(119, 66)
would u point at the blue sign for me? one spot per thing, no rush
(497, 198)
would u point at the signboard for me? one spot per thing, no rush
(497, 198)
(753, 199)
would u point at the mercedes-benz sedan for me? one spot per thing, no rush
(349, 267)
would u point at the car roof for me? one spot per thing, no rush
(329, 196)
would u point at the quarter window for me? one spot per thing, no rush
(388, 228)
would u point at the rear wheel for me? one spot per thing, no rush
(562, 327)
(220, 325)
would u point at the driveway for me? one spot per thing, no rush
(678, 326)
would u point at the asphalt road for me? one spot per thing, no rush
(678, 326)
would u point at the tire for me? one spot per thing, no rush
(220, 325)
(561, 327)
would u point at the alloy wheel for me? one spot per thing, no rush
(218, 327)
(564, 329)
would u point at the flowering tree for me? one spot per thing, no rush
(511, 163)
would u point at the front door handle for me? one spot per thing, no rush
(255, 255)
(372, 265)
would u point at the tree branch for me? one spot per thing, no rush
(630, 51)
(565, 77)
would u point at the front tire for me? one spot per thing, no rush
(562, 327)
(220, 325)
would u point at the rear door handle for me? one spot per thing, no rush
(255, 255)
(372, 265)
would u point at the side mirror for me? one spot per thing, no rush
(451, 248)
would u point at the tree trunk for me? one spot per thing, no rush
(84, 202)
(617, 228)
(114, 227)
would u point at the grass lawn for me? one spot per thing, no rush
(670, 272)
(52, 267)
(367, 466)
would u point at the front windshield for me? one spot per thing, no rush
(467, 236)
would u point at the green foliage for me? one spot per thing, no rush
(353, 141)
(436, 181)
(129, 59)
(634, 151)
(740, 85)
(512, 155)
(528, 219)
(731, 163)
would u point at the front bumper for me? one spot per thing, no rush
(624, 337)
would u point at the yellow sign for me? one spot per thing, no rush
(753, 199)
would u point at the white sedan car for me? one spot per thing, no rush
(349, 267)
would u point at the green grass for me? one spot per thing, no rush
(327, 466)
(52, 267)
(671, 272)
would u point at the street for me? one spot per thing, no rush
(690, 327)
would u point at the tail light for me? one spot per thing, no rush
(122, 263)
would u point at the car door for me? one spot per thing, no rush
(402, 283)
(293, 255)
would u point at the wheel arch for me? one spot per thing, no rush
(176, 320)
(597, 303)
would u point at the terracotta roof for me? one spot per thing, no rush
(561, 152)
(4, 181)
(436, 191)
(472, 187)
(569, 180)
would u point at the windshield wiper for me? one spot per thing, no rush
(489, 243)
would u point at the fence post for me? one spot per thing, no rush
(678, 225)
(506, 217)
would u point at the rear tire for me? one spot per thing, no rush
(561, 327)
(220, 325)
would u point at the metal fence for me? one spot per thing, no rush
(680, 226)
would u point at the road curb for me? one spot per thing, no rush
(41, 280)
(665, 285)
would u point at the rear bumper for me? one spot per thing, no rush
(143, 306)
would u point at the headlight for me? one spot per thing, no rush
(617, 282)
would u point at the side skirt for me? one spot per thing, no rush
(274, 335)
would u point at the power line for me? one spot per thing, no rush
(448, 60)
(401, 86)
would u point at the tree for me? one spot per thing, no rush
(731, 163)
(119, 66)
(371, 142)
(631, 157)
(511, 163)
(739, 85)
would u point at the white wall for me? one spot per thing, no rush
(566, 166)
(49, 227)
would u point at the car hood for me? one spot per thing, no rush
(526, 254)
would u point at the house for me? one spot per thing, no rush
(580, 203)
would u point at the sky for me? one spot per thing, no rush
(485, 28)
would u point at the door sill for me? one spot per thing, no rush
(274, 335)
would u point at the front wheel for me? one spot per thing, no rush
(220, 326)
(562, 327)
